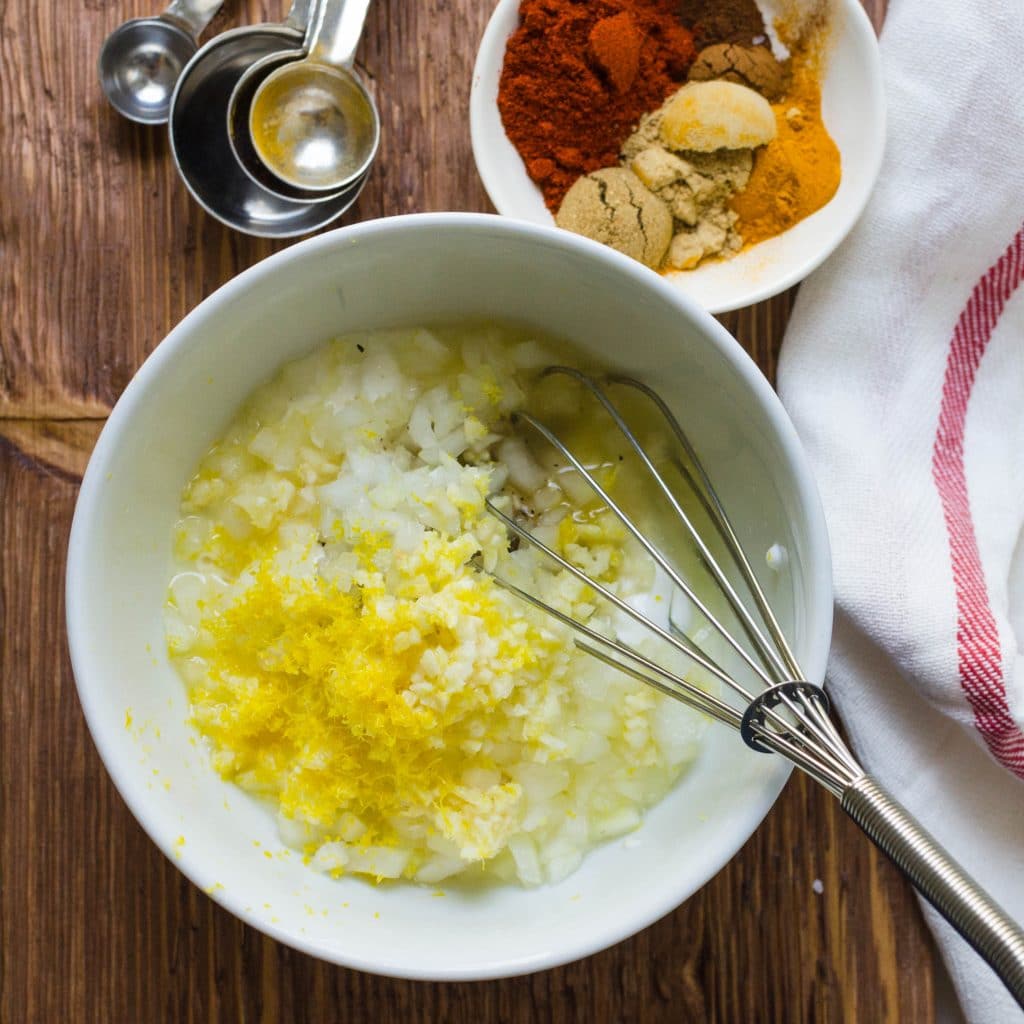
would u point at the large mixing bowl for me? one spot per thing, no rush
(411, 270)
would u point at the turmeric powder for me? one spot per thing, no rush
(799, 172)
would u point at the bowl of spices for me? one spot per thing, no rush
(259, 692)
(729, 145)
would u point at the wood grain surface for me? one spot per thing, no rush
(102, 253)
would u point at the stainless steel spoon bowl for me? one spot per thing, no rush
(241, 139)
(140, 61)
(306, 118)
(202, 150)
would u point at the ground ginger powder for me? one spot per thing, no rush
(798, 173)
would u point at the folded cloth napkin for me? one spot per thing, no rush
(903, 369)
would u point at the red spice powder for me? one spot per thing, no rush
(577, 76)
(615, 44)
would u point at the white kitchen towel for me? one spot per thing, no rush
(903, 369)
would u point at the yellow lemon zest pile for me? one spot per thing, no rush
(338, 703)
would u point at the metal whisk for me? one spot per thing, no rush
(781, 712)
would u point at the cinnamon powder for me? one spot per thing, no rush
(722, 21)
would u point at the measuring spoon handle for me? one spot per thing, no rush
(195, 15)
(298, 15)
(334, 31)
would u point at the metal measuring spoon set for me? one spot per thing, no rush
(271, 128)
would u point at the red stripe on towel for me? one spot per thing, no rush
(979, 653)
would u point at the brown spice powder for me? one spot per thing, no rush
(722, 21)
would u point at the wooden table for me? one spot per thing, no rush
(103, 252)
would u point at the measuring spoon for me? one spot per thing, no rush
(141, 60)
(312, 122)
(199, 137)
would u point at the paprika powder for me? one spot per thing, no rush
(577, 76)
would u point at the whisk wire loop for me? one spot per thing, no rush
(815, 763)
(767, 652)
(778, 660)
(649, 547)
(711, 504)
(680, 642)
(836, 764)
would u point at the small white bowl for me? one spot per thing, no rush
(853, 105)
(409, 270)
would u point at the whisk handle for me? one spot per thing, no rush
(946, 886)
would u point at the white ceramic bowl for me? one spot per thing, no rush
(853, 106)
(410, 270)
